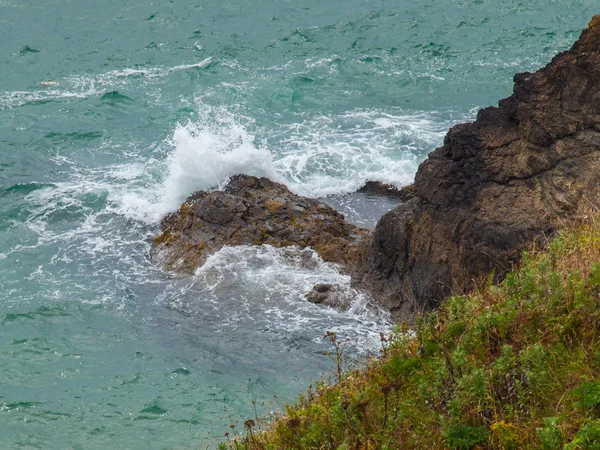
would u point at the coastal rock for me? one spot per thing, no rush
(330, 295)
(516, 175)
(254, 211)
(377, 188)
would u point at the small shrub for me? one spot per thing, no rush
(465, 437)
(455, 330)
(549, 434)
(587, 438)
(505, 434)
(589, 395)
(399, 366)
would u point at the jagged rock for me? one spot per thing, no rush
(253, 211)
(515, 175)
(377, 188)
(518, 173)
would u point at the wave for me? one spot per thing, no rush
(89, 86)
(314, 157)
(201, 156)
(254, 288)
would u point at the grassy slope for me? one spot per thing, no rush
(513, 366)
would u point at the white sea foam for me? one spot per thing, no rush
(317, 157)
(201, 156)
(86, 86)
(264, 287)
(335, 155)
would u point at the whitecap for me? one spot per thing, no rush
(264, 287)
(315, 157)
(202, 155)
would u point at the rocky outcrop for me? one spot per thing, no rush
(253, 211)
(515, 175)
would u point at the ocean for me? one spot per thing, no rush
(112, 112)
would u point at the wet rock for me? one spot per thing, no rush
(254, 211)
(517, 174)
(330, 295)
(377, 188)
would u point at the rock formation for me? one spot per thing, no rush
(332, 295)
(516, 174)
(252, 211)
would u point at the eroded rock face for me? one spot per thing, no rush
(516, 174)
(253, 211)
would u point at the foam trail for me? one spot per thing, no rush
(150, 72)
(274, 281)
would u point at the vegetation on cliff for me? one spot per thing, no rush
(514, 365)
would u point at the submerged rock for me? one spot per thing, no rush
(518, 173)
(254, 211)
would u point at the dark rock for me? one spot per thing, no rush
(377, 188)
(518, 173)
(330, 295)
(319, 293)
(253, 211)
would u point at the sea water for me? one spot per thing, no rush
(113, 111)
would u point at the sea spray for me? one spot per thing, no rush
(316, 157)
(264, 287)
(204, 158)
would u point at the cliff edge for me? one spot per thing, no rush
(518, 173)
(515, 175)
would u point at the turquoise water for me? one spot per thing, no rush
(112, 112)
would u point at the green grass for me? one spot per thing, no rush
(512, 366)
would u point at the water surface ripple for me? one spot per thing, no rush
(113, 111)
